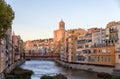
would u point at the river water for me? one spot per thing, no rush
(46, 67)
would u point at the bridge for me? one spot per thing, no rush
(41, 56)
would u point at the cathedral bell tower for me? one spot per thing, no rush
(61, 25)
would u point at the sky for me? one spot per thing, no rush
(37, 19)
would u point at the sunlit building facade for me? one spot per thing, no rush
(103, 55)
(59, 36)
(113, 37)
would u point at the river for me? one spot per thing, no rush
(46, 67)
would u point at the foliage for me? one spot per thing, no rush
(46, 77)
(115, 76)
(58, 76)
(22, 71)
(108, 76)
(19, 73)
(104, 75)
(6, 18)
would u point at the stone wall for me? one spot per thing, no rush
(11, 67)
(93, 68)
(18, 63)
(117, 66)
(2, 76)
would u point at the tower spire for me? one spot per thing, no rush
(61, 24)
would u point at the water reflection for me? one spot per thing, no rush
(45, 67)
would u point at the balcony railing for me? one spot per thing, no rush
(113, 30)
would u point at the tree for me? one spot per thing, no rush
(6, 18)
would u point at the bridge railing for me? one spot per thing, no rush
(38, 55)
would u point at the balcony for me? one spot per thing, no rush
(113, 30)
(80, 41)
(114, 37)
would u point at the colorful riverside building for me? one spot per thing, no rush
(6, 51)
(102, 55)
(106, 46)
(97, 46)
(113, 37)
(95, 50)
(83, 46)
(17, 47)
(64, 41)
(39, 47)
(69, 43)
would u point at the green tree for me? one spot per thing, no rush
(6, 18)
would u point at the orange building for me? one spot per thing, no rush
(70, 44)
(104, 55)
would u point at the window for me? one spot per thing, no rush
(95, 58)
(102, 58)
(71, 57)
(71, 52)
(109, 59)
(89, 59)
(104, 50)
(105, 58)
(88, 51)
(119, 57)
(79, 47)
(109, 50)
(86, 46)
(106, 35)
(98, 58)
(92, 59)
(99, 51)
(81, 58)
(95, 51)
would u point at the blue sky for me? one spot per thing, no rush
(37, 19)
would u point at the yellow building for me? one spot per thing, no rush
(104, 55)
(71, 46)
(71, 43)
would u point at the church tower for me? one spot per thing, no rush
(61, 25)
(59, 35)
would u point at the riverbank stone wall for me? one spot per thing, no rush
(86, 67)
(11, 67)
